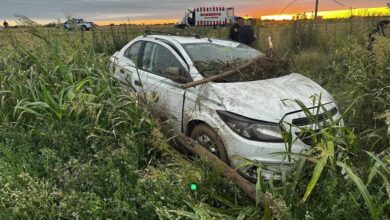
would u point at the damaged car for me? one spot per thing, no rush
(242, 114)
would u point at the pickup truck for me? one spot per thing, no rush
(77, 23)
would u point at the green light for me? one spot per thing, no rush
(193, 187)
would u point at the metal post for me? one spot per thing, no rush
(316, 11)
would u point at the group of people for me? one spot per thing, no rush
(240, 32)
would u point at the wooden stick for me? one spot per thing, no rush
(248, 187)
(221, 75)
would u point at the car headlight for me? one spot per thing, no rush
(253, 129)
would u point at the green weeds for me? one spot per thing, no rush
(73, 144)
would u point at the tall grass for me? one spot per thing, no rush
(73, 144)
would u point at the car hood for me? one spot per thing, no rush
(271, 99)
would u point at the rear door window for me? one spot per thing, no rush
(132, 53)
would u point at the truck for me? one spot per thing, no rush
(207, 17)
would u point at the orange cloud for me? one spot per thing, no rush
(383, 11)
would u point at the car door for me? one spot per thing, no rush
(157, 79)
(127, 63)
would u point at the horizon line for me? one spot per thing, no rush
(326, 14)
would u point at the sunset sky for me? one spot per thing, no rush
(104, 11)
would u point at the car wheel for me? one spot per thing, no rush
(207, 137)
(84, 28)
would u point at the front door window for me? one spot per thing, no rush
(159, 60)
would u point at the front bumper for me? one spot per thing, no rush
(269, 155)
(263, 153)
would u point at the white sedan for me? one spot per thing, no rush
(231, 117)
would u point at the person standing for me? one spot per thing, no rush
(378, 31)
(5, 24)
(246, 35)
(191, 18)
(235, 29)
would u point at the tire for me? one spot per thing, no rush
(207, 137)
(84, 28)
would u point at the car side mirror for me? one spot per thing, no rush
(175, 74)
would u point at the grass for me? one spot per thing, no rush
(73, 144)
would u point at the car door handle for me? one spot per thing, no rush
(138, 83)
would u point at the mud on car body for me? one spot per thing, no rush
(232, 118)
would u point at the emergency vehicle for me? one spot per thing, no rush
(207, 17)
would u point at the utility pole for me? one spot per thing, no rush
(316, 11)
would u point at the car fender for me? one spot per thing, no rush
(87, 25)
(113, 62)
(212, 119)
(200, 104)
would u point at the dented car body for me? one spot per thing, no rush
(233, 119)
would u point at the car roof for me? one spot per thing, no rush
(193, 40)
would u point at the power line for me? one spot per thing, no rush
(288, 5)
(338, 2)
(316, 6)
(317, 2)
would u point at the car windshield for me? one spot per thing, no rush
(212, 59)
